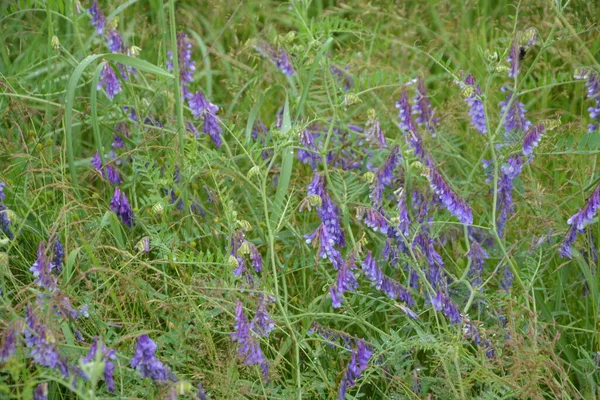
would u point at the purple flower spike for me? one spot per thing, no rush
(42, 270)
(477, 255)
(507, 279)
(514, 59)
(387, 285)
(592, 84)
(309, 154)
(262, 324)
(384, 177)
(515, 123)
(327, 211)
(9, 343)
(59, 255)
(40, 340)
(108, 356)
(373, 132)
(109, 81)
(579, 220)
(202, 108)
(184, 60)
(532, 138)
(423, 109)
(342, 76)
(115, 42)
(248, 347)
(508, 173)
(41, 391)
(477, 112)
(280, 59)
(98, 19)
(374, 219)
(451, 200)
(145, 362)
(345, 281)
(359, 361)
(120, 206)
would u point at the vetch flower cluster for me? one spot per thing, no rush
(579, 220)
(120, 206)
(106, 356)
(185, 63)
(392, 289)
(202, 108)
(426, 115)
(145, 362)
(4, 214)
(248, 346)
(451, 200)
(473, 99)
(279, 58)
(344, 282)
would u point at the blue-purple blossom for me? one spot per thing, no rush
(384, 177)
(342, 76)
(9, 343)
(508, 173)
(58, 255)
(40, 340)
(435, 261)
(262, 324)
(374, 219)
(344, 282)
(403, 215)
(5, 222)
(359, 361)
(477, 256)
(201, 393)
(471, 332)
(532, 138)
(109, 81)
(507, 279)
(592, 84)
(426, 115)
(309, 153)
(327, 245)
(98, 19)
(513, 113)
(579, 220)
(41, 391)
(407, 126)
(279, 58)
(42, 270)
(184, 60)
(248, 347)
(107, 356)
(2, 194)
(331, 335)
(145, 362)
(451, 200)
(114, 42)
(477, 111)
(120, 206)
(373, 132)
(443, 302)
(392, 289)
(202, 108)
(327, 211)
(514, 59)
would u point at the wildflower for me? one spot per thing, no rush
(532, 138)
(374, 219)
(514, 59)
(280, 59)
(327, 243)
(342, 76)
(358, 363)
(309, 154)
(109, 81)
(407, 126)
(592, 84)
(40, 341)
(5, 221)
(186, 65)
(9, 343)
(58, 255)
(507, 279)
(327, 211)
(344, 282)
(508, 173)
(115, 41)
(451, 200)
(255, 258)
(201, 393)
(473, 100)
(120, 206)
(201, 107)
(490, 352)
(42, 270)
(403, 215)
(261, 323)
(435, 261)
(107, 357)
(98, 19)
(579, 220)
(380, 281)
(384, 176)
(373, 131)
(513, 114)
(145, 362)
(2, 194)
(248, 347)
(471, 332)
(443, 302)
(41, 391)
(423, 109)
(477, 255)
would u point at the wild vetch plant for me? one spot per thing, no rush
(299, 200)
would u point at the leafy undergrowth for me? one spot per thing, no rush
(299, 200)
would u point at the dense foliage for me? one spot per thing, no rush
(303, 199)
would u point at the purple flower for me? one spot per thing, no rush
(309, 154)
(359, 361)
(107, 357)
(40, 341)
(2, 194)
(120, 206)
(532, 138)
(514, 59)
(374, 219)
(374, 134)
(327, 242)
(471, 332)
(184, 60)
(344, 282)
(145, 362)
(261, 323)
(255, 258)
(435, 261)
(280, 59)
(403, 215)
(58, 255)
(109, 81)
(41, 391)
(115, 41)
(384, 177)
(342, 76)
(423, 109)
(451, 200)
(5, 222)
(477, 256)
(443, 302)
(9, 343)
(42, 270)
(327, 211)
(98, 19)
(387, 285)
(202, 108)
(579, 220)
(407, 126)
(201, 393)
(514, 120)
(476, 112)
(248, 347)
(508, 173)
(507, 279)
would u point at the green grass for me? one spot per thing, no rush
(183, 293)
